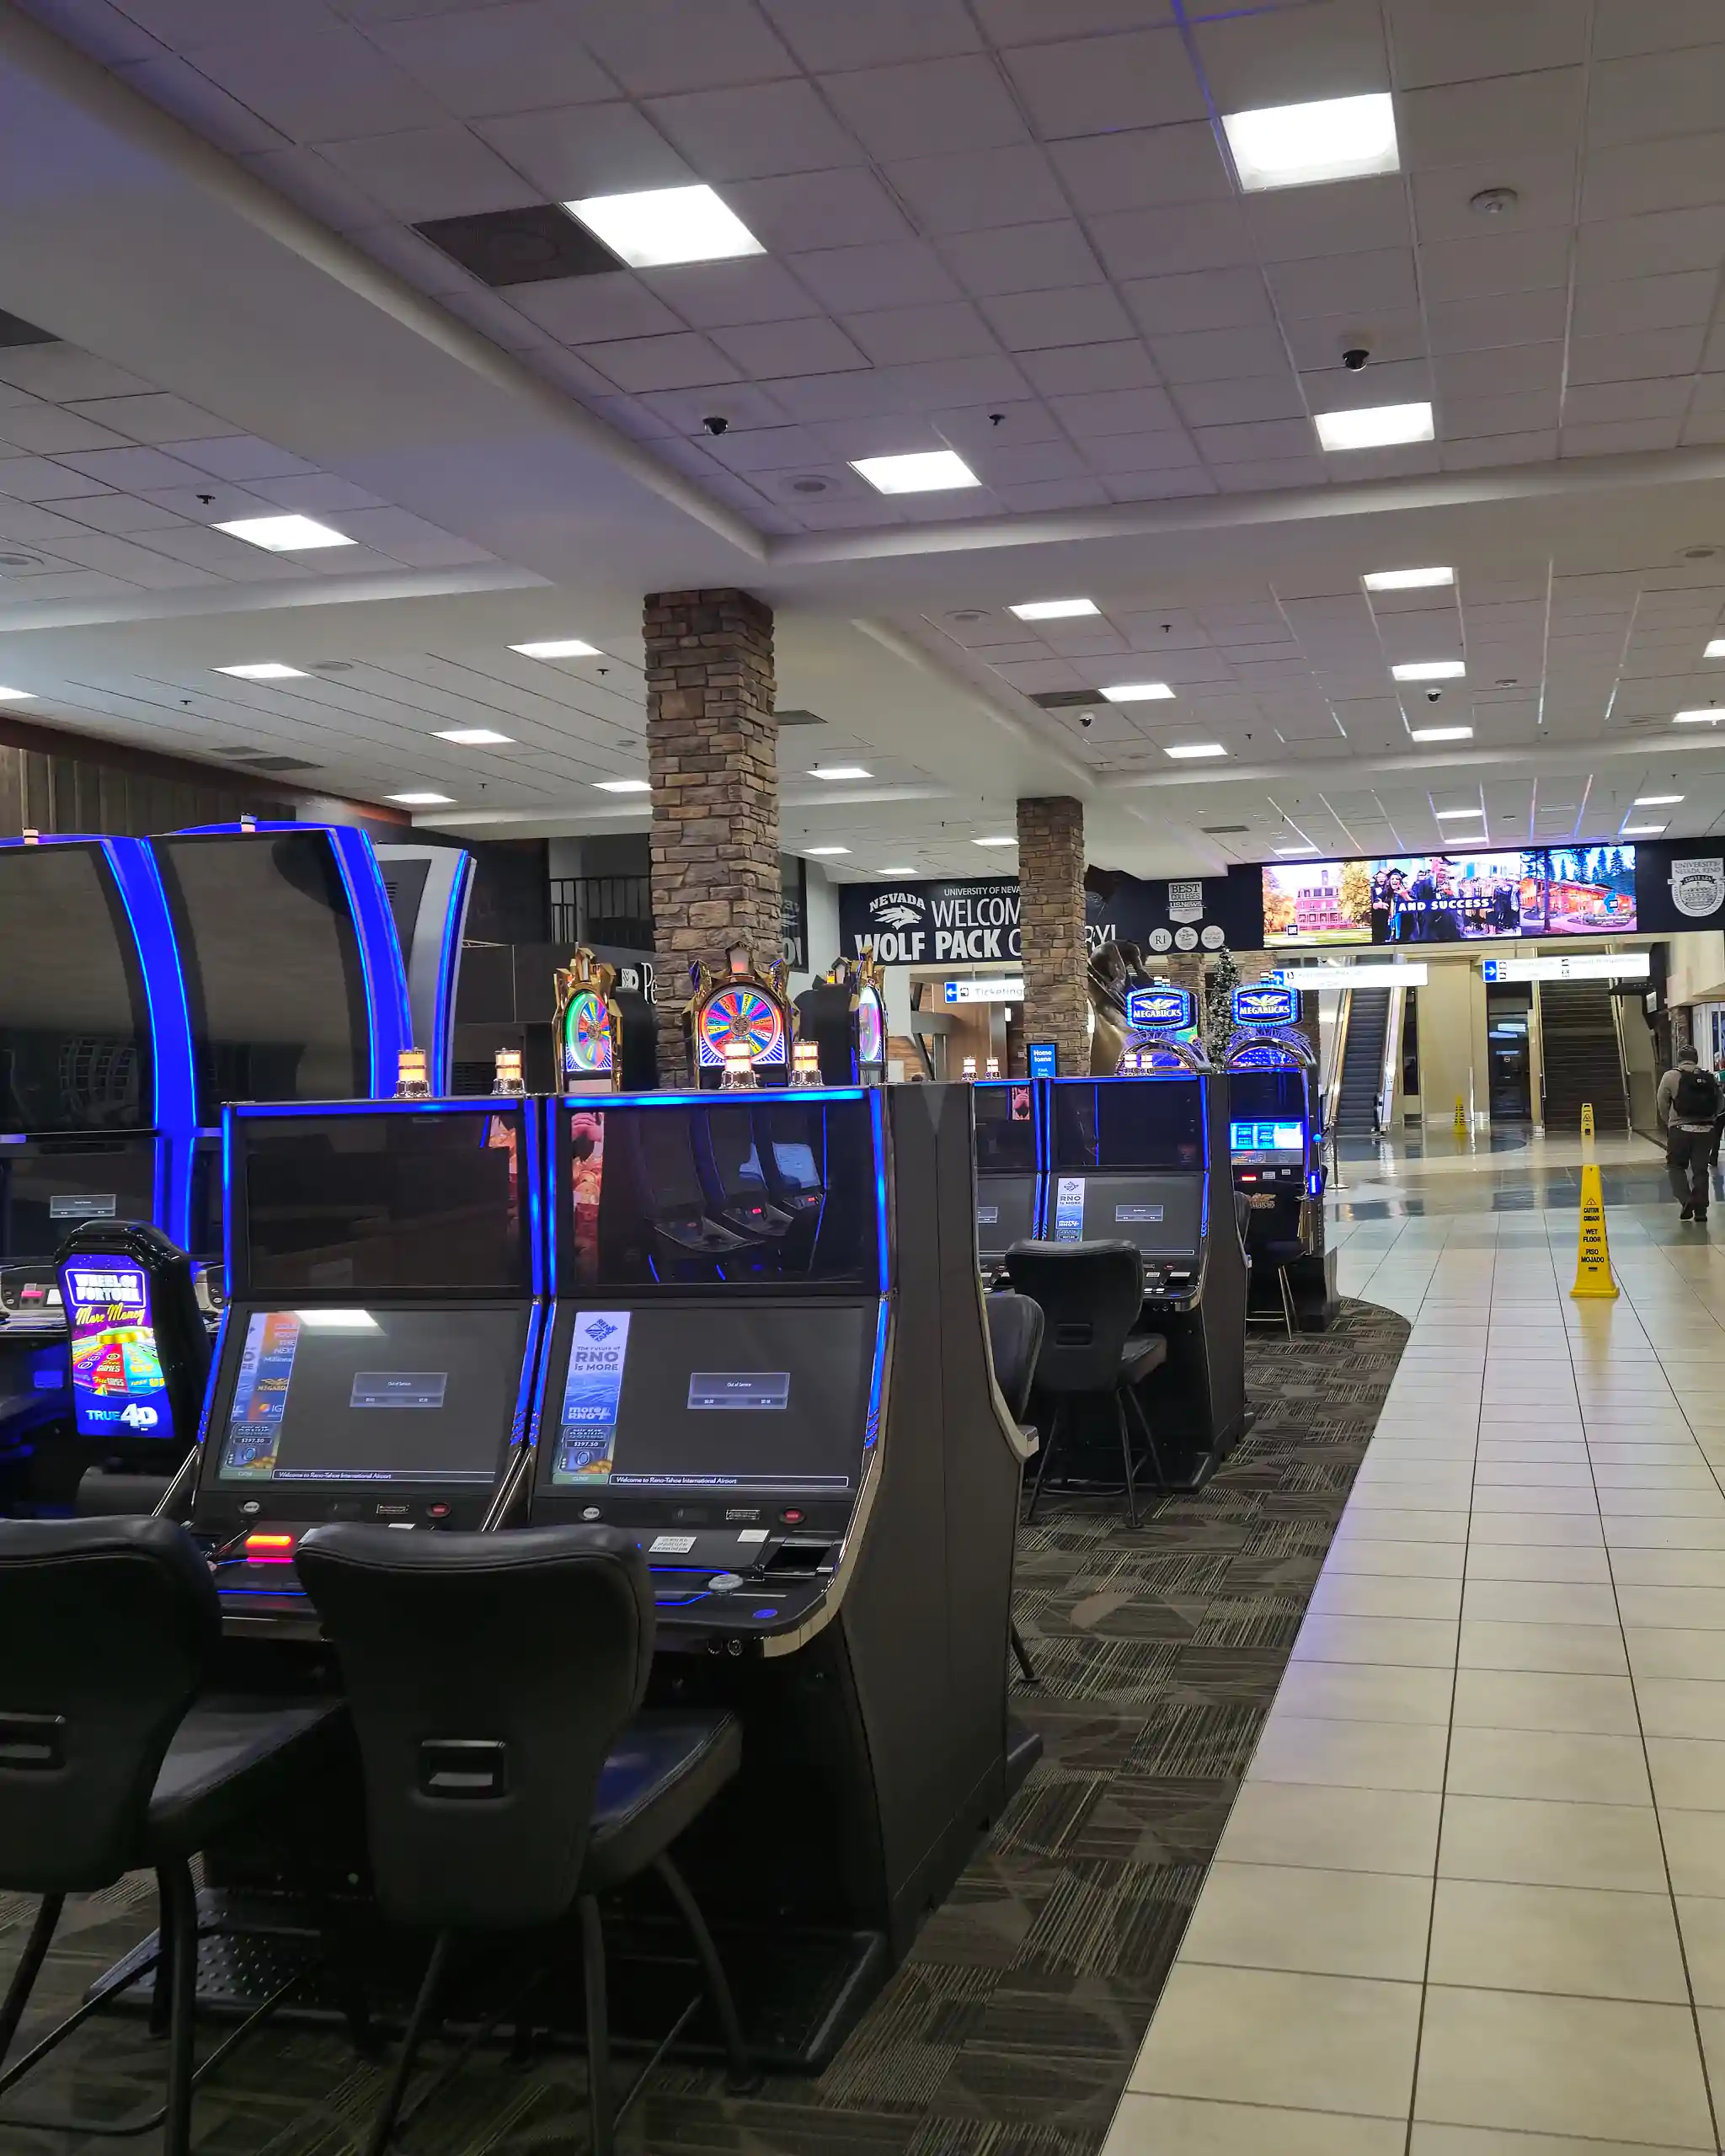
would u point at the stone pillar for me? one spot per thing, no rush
(1051, 919)
(712, 760)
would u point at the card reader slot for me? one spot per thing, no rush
(793, 1560)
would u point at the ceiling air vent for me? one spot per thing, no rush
(260, 761)
(1223, 830)
(1068, 699)
(520, 247)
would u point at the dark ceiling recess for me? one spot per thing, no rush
(527, 246)
(12, 331)
(1222, 830)
(1068, 699)
(255, 762)
(799, 718)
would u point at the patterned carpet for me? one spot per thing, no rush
(1011, 2028)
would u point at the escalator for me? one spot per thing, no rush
(1363, 1062)
(1583, 1059)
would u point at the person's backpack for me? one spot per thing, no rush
(1697, 1097)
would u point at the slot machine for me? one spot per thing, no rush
(767, 1360)
(844, 1016)
(1142, 1159)
(587, 1028)
(428, 887)
(738, 1025)
(1010, 1160)
(1164, 1020)
(1276, 1143)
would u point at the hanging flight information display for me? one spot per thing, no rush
(1451, 897)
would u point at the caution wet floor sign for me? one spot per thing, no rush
(1593, 1254)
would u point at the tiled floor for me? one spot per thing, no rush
(1470, 1901)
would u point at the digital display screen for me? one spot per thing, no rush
(1452, 897)
(1260, 1005)
(47, 1186)
(1128, 1124)
(272, 967)
(1158, 1008)
(1160, 1214)
(1006, 1213)
(383, 1202)
(74, 1021)
(773, 1190)
(699, 1397)
(586, 1036)
(117, 1387)
(1006, 1129)
(1259, 1141)
(373, 1395)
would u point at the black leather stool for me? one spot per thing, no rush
(1275, 1255)
(112, 1758)
(1091, 1295)
(496, 1683)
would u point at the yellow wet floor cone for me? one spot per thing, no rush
(1592, 1255)
(1586, 1118)
(1461, 1117)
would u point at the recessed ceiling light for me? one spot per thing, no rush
(924, 471)
(1374, 426)
(1715, 649)
(1710, 717)
(999, 838)
(1445, 814)
(263, 669)
(824, 852)
(1641, 830)
(902, 868)
(1195, 749)
(1442, 733)
(1302, 145)
(423, 800)
(557, 648)
(1296, 849)
(476, 737)
(841, 770)
(1430, 669)
(284, 534)
(1054, 610)
(663, 225)
(1656, 800)
(1405, 579)
(624, 785)
(1139, 693)
(18, 696)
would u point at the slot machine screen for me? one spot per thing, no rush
(1006, 1129)
(1142, 1123)
(1161, 1214)
(47, 1186)
(118, 1391)
(373, 1396)
(1267, 1117)
(384, 1202)
(74, 1021)
(699, 1397)
(272, 965)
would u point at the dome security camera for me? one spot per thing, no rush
(1431, 696)
(1355, 357)
(717, 423)
(1087, 718)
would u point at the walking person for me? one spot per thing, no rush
(1689, 1105)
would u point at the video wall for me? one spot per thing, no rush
(1451, 897)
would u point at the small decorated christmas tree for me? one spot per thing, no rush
(1221, 977)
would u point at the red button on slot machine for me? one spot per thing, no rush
(792, 1516)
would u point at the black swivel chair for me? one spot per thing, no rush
(1015, 1325)
(496, 1682)
(1268, 1253)
(113, 1757)
(1091, 1296)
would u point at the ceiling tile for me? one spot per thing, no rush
(907, 273)
(1346, 389)
(974, 191)
(1517, 413)
(424, 173)
(1149, 244)
(823, 36)
(1617, 437)
(576, 151)
(1075, 369)
(238, 458)
(769, 449)
(1142, 168)
(1088, 86)
(755, 131)
(1679, 173)
(130, 469)
(1370, 283)
(1055, 494)
(1030, 321)
(715, 295)
(1479, 325)
(1220, 354)
(48, 430)
(61, 372)
(584, 310)
(899, 112)
(1215, 299)
(1028, 22)
(1024, 258)
(1167, 449)
(1544, 187)
(656, 46)
(1619, 249)
(1268, 56)
(1654, 94)
(1635, 355)
(1028, 463)
(683, 410)
(1109, 412)
(496, 58)
(660, 362)
(1508, 371)
(1626, 26)
(1256, 439)
(818, 210)
(1320, 342)
(1537, 114)
(1292, 222)
(859, 395)
(814, 345)
(318, 82)
(1649, 303)
(951, 329)
(1488, 262)
(1465, 40)
(931, 384)
(1206, 402)
(1265, 474)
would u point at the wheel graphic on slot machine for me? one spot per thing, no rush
(741, 1017)
(586, 1036)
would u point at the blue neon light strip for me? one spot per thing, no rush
(174, 1070)
(440, 1051)
(210, 1381)
(877, 1114)
(878, 1378)
(716, 1099)
(533, 1170)
(380, 954)
(547, 1142)
(522, 1427)
(536, 1417)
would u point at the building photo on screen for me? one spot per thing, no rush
(1590, 891)
(1318, 902)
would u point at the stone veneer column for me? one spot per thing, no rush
(1051, 919)
(712, 760)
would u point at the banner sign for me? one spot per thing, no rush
(930, 924)
(1198, 913)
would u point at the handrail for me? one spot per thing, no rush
(1338, 1056)
(1390, 1070)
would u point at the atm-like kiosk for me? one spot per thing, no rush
(377, 1351)
(1276, 1144)
(767, 1359)
(1143, 1159)
(1009, 1165)
(843, 1017)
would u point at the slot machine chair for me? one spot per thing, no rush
(496, 1683)
(1091, 1296)
(1015, 1328)
(1273, 1255)
(118, 1757)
